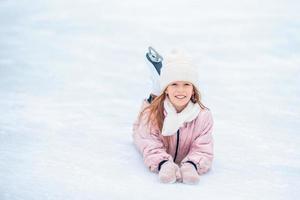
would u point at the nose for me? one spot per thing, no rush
(180, 88)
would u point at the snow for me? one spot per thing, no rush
(73, 75)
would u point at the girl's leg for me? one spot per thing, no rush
(154, 62)
(151, 98)
(155, 59)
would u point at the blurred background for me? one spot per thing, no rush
(73, 76)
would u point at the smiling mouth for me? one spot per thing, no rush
(180, 96)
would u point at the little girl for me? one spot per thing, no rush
(173, 131)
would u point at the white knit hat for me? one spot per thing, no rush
(178, 66)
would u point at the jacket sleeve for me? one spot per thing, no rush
(149, 144)
(201, 151)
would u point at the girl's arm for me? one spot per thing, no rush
(148, 142)
(201, 151)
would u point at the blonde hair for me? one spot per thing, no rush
(155, 111)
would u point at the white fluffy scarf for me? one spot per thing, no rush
(173, 120)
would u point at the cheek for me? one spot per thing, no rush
(190, 91)
(170, 91)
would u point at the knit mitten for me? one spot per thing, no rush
(169, 172)
(189, 173)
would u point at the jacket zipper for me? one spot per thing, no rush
(177, 145)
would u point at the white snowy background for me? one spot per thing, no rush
(73, 75)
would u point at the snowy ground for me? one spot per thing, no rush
(72, 77)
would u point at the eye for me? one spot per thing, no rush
(187, 84)
(174, 84)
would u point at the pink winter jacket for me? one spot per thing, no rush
(195, 142)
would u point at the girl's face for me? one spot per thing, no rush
(180, 93)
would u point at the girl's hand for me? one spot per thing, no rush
(189, 174)
(169, 172)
